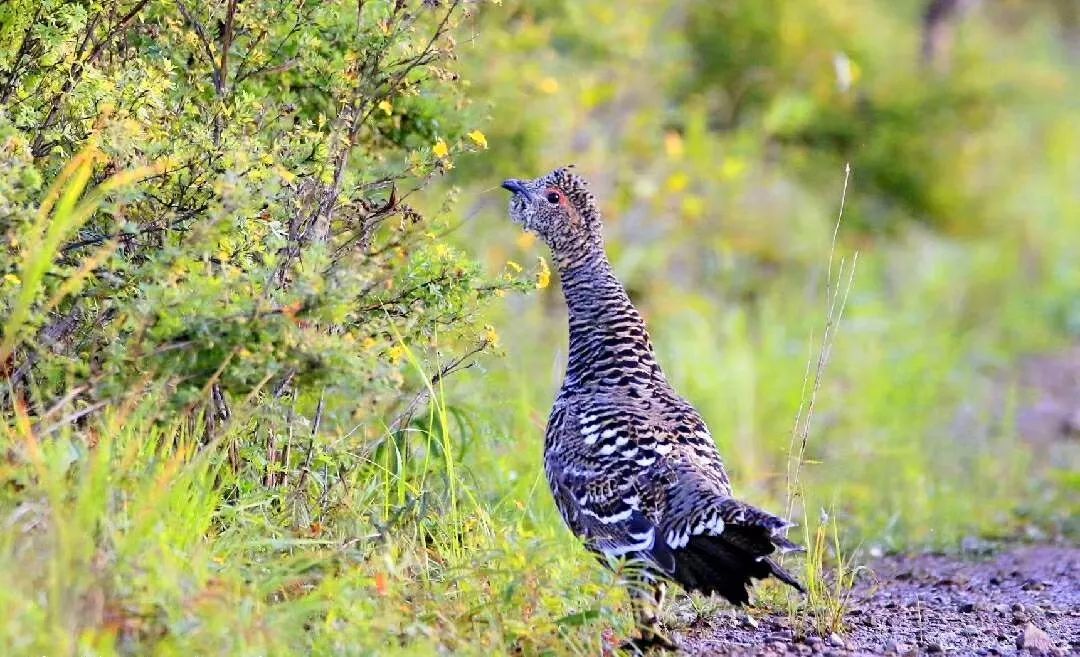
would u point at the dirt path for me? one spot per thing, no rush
(1022, 601)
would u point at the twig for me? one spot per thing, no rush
(226, 43)
(99, 239)
(284, 383)
(200, 32)
(422, 397)
(304, 471)
(68, 419)
(834, 303)
(24, 49)
(40, 146)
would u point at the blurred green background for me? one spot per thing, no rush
(715, 135)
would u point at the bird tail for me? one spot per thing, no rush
(726, 563)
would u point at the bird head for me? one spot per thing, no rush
(559, 208)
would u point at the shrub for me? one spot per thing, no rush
(264, 239)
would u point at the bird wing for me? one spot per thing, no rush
(646, 481)
(611, 522)
(600, 473)
(720, 544)
(698, 499)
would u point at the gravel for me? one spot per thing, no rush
(929, 605)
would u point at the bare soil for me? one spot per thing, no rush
(1022, 601)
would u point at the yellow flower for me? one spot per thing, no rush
(513, 265)
(478, 138)
(385, 106)
(285, 174)
(395, 353)
(490, 336)
(549, 85)
(440, 149)
(367, 343)
(12, 279)
(543, 275)
(677, 182)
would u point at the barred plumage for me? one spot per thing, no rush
(631, 464)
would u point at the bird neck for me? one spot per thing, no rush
(609, 344)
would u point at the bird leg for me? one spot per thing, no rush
(647, 600)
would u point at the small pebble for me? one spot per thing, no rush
(835, 640)
(1034, 640)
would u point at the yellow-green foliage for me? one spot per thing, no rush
(238, 315)
(275, 237)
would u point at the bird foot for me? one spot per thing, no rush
(648, 642)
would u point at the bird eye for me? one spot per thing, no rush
(552, 198)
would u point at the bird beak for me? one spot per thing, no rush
(516, 186)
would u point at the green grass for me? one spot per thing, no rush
(828, 574)
(287, 532)
(147, 541)
(293, 529)
(132, 535)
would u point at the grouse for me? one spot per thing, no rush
(631, 464)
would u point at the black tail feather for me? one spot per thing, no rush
(727, 564)
(784, 576)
